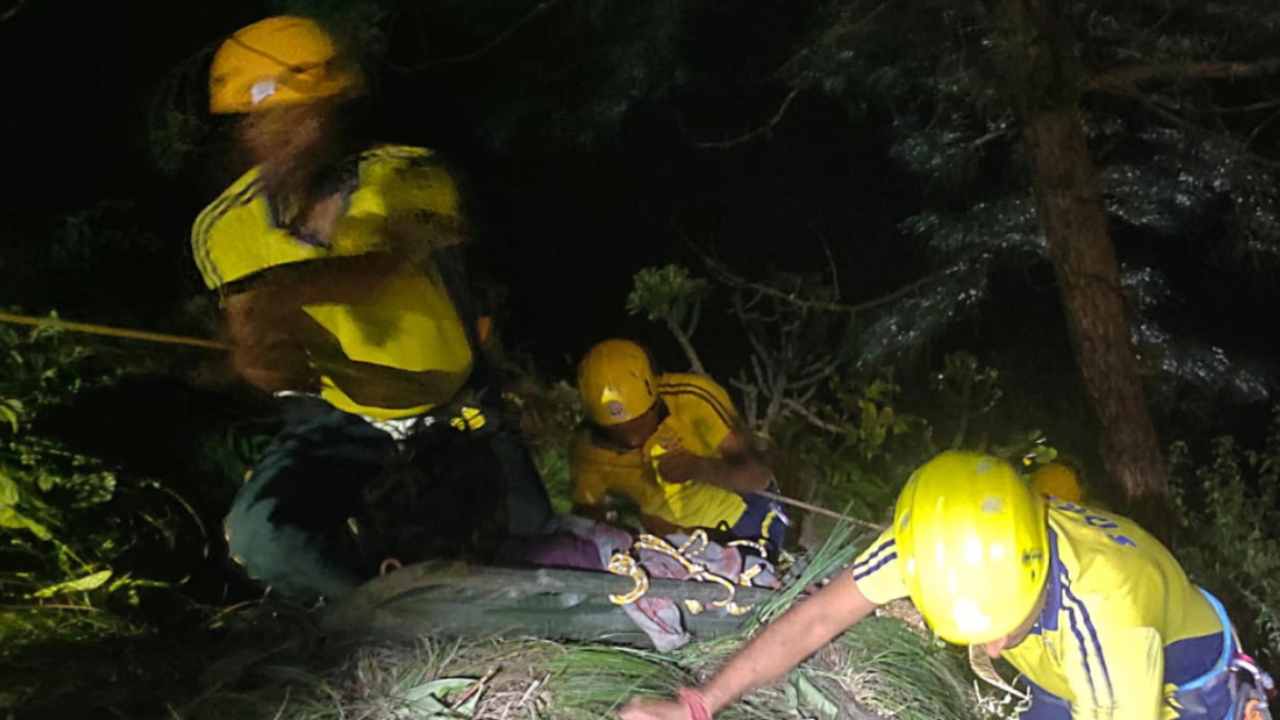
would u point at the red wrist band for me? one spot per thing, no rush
(696, 703)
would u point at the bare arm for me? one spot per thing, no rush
(739, 468)
(277, 346)
(800, 632)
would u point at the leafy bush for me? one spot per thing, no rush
(69, 523)
(549, 415)
(1229, 541)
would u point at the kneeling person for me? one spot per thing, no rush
(669, 444)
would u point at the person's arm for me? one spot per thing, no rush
(800, 632)
(277, 346)
(739, 468)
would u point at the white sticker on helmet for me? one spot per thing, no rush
(262, 90)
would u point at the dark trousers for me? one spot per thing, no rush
(441, 492)
(763, 520)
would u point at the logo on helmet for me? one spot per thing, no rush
(615, 409)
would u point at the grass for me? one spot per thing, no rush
(882, 665)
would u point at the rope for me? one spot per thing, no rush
(625, 564)
(818, 509)
(112, 331)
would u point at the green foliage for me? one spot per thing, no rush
(899, 674)
(549, 415)
(668, 294)
(865, 464)
(66, 518)
(965, 390)
(1228, 509)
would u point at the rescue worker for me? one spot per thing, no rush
(1058, 479)
(671, 445)
(338, 270)
(1091, 609)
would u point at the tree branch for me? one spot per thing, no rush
(494, 42)
(812, 417)
(12, 11)
(1125, 80)
(747, 137)
(834, 34)
(729, 278)
(687, 345)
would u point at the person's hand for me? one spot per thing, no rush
(650, 709)
(674, 462)
(414, 237)
(680, 465)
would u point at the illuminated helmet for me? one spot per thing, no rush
(616, 381)
(973, 542)
(1059, 480)
(276, 62)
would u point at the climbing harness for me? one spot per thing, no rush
(1252, 688)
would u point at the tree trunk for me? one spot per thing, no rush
(1071, 213)
(1069, 202)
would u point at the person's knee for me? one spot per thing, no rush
(292, 562)
(248, 530)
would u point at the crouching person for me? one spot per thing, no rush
(1091, 609)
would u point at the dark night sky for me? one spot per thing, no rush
(568, 228)
(565, 228)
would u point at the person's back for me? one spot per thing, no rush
(407, 322)
(1122, 618)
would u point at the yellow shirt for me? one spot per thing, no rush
(701, 416)
(1119, 616)
(410, 323)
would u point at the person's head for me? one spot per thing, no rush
(620, 391)
(972, 538)
(283, 76)
(1058, 479)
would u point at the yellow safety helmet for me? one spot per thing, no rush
(1059, 480)
(973, 542)
(278, 61)
(616, 381)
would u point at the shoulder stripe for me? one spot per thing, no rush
(208, 219)
(702, 394)
(865, 571)
(887, 544)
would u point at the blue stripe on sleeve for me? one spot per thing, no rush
(859, 574)
(874, 553)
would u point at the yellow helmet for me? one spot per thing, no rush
(616, 381)
(1059, 480)
(973, 542)
(278, 61)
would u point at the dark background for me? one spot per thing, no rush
(565, 222)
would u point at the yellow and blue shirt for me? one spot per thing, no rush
(700, 416)
(1123, 629)
(410, 323)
